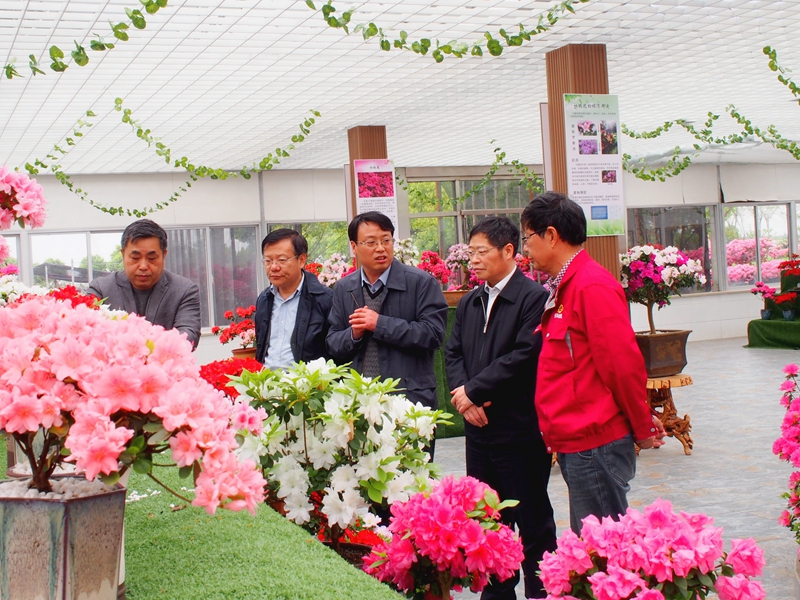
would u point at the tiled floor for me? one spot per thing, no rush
(732, 474)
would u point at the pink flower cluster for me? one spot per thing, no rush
(21, 200)
(654, 555)
(787, 447)
(376, 185)
(113, 391)
(446, 538)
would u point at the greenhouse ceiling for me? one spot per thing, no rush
(224, 82)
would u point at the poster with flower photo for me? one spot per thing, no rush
(594, 162)
(376, 187)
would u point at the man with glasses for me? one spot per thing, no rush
(590, 390)
(491, 368)
(292, 313)
(388, 319)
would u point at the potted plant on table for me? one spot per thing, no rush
(242, 328)
(786, 303)
(446, 538)
(650, 276)
(652, 555)
(767, 293)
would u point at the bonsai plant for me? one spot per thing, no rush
(767, 293)
(432, 263)
(241, 327)
(650, 275)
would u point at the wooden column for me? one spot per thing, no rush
(366, 141)
(577, 69)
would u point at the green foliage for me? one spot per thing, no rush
(79, 55)
(493, 45)
(195, 171)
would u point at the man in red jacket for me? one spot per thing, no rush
(591, 383)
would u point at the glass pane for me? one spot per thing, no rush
(431, 196)
(688, 228)
(106, 253)
(433, 233)
(57, 258)
(774, 240)
(186, 255)
(740, 245)
(499, 194)
(235, 253)
(324, 238)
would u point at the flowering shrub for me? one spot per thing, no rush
(432, 263)
(406, 252)
(446, 538)
(21, 200)
(217, 373)
(376, 185)
(787, 447)
(791, 266)
(11, 289)
(650, 275)
(785, 300)
(329, 430)
(763, 290)
(114, 390)
(743, 251)
(334, 268)
(741, 273)
(314, 267)
(243, 329)
(655, 555)
(458, 262)
(587, 146)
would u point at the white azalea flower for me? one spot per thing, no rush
(367, 466)
(396, 488)
(425, 427)
(252, 448)
(319, 365)
(344, 478)
(340, 431)
(298, 509)
(370, 520)
(322, 453)
(372, 408)
(337, 511)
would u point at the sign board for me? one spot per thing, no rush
(594, 161)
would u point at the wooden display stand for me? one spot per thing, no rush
(659, 396)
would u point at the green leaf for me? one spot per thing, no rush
(374, 494)
(151, 426)
(184, 472)
(110, 479)
(79, 55)
(137, 18)
(310, 5)
(151, 8)
(97, 45)
(162, 3)
(158, 437)
(142, 466)
(55, 52)
(137, 444)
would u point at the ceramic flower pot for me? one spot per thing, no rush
(766, 314)
(244, 352)
(788, 315)
(664, 353)
(61, 549)
(453, 297)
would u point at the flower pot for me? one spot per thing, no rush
(61, 549)
(766, 314)
(351, 552)
(244, 352)
(788, 315)
(664, 353)
(453, 297)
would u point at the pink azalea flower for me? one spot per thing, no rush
(788, 386)
(739, 587)
(22, 414)
(615, 584)
(185, 450)
(746, 557)
(791, 369)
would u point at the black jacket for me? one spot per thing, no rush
(311, 326)
(411, 327)
(499, 364)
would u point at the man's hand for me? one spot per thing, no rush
(475, 415)
(460, 400)
(657, 440)
(363, 319)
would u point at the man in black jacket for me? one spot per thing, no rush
(292, 313)
(491, 369)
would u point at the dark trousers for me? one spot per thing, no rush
(518, 471)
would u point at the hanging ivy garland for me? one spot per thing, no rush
(195, 171)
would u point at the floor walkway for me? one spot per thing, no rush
(732, 474)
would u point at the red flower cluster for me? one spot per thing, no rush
(72, 295)
(786, 298)
(244, 329)
(791, 266)
(216, 373)
(314, 267)
(432, 263)
(375, 185)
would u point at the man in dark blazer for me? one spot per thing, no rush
(292, 313)
(144, 287)
(491, 359)
(387, 318)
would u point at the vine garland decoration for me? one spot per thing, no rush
(195, 171)
(119, 31)
(493, 45)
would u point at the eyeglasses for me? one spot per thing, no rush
(281, 262)
(479, 252)
(525, 238)
(372, 244)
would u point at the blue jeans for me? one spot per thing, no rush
(598, 480)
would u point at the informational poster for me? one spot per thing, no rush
(376, 187)
(594, 161)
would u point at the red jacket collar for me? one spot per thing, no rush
(580, 259)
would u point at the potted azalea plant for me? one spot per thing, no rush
(446, 538)
(652, 555)
(650, 277)
(786, 302)
(767, 293)
(458, 262)
(336, 444)
(432, 263)
(242, 328)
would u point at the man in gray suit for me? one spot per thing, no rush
(145, 288)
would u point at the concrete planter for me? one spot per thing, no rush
(53, 549)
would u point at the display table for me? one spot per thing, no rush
(775, 333)
(659, 396)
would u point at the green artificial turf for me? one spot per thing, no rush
(188, 555)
